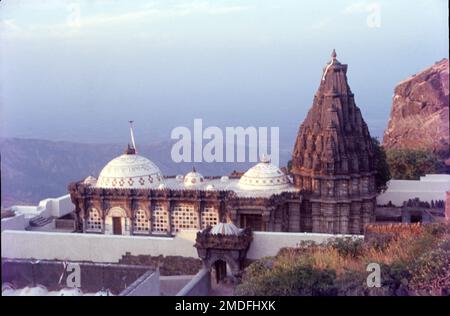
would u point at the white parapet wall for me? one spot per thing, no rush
(110, 248)
(52, 207)
(199, 285)
(92, 247)
(269, 243)
(147, 285)
(17, 222)
(428, 188)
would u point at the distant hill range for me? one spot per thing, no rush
(33, 169)
(420, 112)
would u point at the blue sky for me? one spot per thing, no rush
(78, 70)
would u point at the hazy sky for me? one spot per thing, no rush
(78, 70)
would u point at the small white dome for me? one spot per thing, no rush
(210, 187)
(179, 178)
(162, 186)
(224, 179)
(130, 171)
(264, 176)
(193, 178)
(225, 229)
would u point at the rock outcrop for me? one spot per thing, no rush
(420, 112)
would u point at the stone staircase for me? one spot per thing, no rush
(40, 221)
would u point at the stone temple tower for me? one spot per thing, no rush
(333, 159)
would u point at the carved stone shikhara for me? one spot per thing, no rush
(333, 160)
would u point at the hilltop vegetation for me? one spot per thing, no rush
(414, 260)
(409, 164)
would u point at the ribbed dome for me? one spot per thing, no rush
(264, 176)
(225, 229)
(130, 171)
(193, 178)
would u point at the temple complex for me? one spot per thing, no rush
(331, 188)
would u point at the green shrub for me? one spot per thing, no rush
(298, 280)
(347, 246)
(383, 174)
(431, 271)
(411, 164)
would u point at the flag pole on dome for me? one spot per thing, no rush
(132, 135)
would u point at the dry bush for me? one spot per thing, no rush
(414, 260)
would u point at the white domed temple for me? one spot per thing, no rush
(331, 188)
(132, 197)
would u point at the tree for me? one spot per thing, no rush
(409, 164)
(289, 166)
(383, 170)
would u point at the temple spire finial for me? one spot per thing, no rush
(333, 54)
(131, 149)
(264, 158)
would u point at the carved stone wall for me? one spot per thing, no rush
(165, 212)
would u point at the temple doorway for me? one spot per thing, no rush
(220, 268)
(117, 225)
(117, 222)
(254, 221)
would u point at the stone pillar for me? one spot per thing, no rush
(85, 214)
(355, 218)
(169, 205)
(150, 216)
(294, 216)
(315, 214)
(344, 218)
(132, 218)
(225, 211)
(105, 205)
(273, 220)
(200, 208)
(233, 213)
(367, 212)
(265, 219)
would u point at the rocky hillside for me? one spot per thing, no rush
(420, 112)
(33, 169)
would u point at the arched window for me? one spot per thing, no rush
(141, 222)
(94, 221)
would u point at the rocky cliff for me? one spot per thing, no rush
(420, 112)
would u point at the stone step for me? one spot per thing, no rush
(39, 221)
